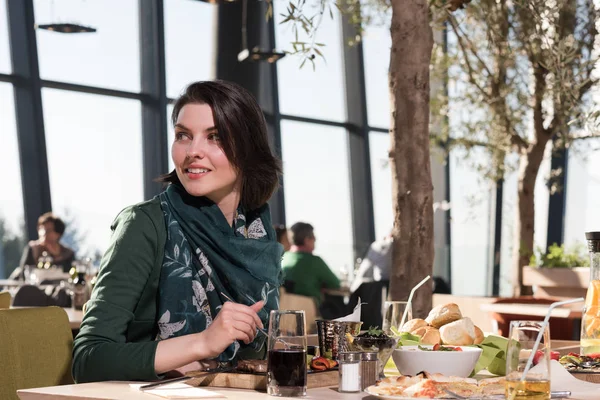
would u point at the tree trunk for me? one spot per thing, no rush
(412, 189)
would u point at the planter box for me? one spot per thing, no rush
(557, 282)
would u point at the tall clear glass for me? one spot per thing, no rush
(590, 321)
(521, 340)
(392, 315)
(286, 358)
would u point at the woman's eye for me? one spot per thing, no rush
(214, 136)
(180, 135)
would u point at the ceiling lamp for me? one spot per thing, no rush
(67, 28)
(260, 55)
(255, 54)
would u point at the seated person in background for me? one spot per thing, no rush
(50, 230)
(160, 304)
(282, 237)
(305, 273)
(376, 265)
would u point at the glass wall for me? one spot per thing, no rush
(5, 66)
(305, 92)
(94, 147)
(107, 58)
(317, 187)
(381, 182)
(376, 49)
(471, 207)
(583, 191)
(189, 43)
(12, 229)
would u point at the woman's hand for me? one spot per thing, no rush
(233, 322)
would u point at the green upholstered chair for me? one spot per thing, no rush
(35, 349)
(5, 300)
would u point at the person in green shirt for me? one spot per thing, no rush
(305, 273)
(160, 305)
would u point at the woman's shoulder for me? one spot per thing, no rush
(149, 208)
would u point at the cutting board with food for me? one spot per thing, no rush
(252, 374)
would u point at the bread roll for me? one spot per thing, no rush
(443, 314)
(413, 324)
(458, 333)
(478, 335)
(430, 335)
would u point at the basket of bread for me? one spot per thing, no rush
(446, 325)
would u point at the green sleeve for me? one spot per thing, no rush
(100, 350)
(328, 278)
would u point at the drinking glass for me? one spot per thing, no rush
(521, 340)
(392, 315)
(286, 357)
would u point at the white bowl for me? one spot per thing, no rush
(410, 360)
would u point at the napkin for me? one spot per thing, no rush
(561, 379)
(178, 390)
(354, 317)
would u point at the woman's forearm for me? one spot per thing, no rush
(180, 351)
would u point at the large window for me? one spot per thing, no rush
(106, 58)
(583, 192)
(306, 92)
(5, 66)
(381, 182)
(94, 147)
(11, 200)
(317, 188)
(189, 43)
(470, 224)
(376, 46)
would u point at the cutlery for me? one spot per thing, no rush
(185, 378)
(261, 330)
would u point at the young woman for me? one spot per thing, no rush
(160, 302)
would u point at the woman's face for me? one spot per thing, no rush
(200, 163)
(47, 233)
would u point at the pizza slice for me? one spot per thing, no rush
(492, 386)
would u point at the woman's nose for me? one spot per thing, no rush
(196, 148)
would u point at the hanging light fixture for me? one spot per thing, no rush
(256, 53)
(64, 27)
(67, 28)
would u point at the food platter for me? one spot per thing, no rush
(393, 397)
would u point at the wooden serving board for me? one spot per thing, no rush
(593, 377)
(259, 381)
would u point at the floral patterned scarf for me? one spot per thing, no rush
(205, 257)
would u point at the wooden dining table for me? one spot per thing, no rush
(122, 391)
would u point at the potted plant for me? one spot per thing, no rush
(559, 272)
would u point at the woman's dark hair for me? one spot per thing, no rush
(243, 137)
(57, 223)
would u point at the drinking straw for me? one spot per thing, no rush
(409, 302)
(538, 340)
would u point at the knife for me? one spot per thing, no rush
(184, 378)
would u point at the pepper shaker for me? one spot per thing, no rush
(349, 371)
(369, 370)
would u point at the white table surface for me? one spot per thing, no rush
(120, 391)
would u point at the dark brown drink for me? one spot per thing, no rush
(287, 372)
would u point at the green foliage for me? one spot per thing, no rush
(12, 244)
(561, 257)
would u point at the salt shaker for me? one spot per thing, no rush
(349, 370)
(368, 367)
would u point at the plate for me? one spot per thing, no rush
(390, 396)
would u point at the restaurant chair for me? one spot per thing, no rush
(35, 349)
(290, 301)
(5, 299)
(32, 296)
